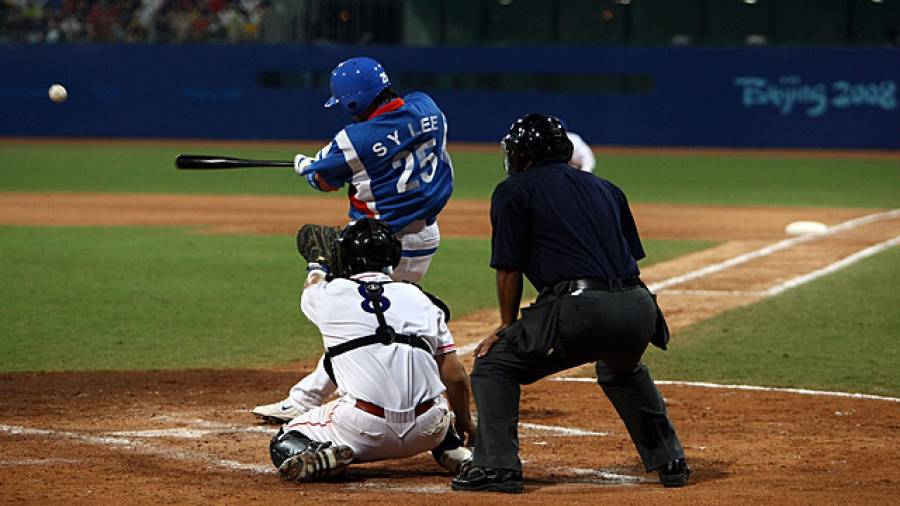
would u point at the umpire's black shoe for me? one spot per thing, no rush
(486, 479)
(675, 473)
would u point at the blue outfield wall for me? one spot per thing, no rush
(744, 97)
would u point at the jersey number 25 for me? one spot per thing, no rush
(424, 155)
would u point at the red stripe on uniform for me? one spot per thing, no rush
(359, 204)
(316, 424)
(393, 105)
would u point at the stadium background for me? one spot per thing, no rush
(145, 310)
(756, 73)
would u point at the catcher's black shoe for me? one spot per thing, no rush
(485, 479)
(320, 464)
(675, 473)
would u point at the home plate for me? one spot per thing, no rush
(805, 227)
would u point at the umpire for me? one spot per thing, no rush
(573, 236)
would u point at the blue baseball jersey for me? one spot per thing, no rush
(396, 163)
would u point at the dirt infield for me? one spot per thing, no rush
(462, 218)
(113, 442)
(186, 436)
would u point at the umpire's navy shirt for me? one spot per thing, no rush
(554, 223)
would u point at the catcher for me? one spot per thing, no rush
(388, 354)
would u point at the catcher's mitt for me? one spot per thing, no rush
(315, 243)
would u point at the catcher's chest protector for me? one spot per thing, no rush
(384, 334)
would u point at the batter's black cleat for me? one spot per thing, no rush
(675, 473)
(485, 479)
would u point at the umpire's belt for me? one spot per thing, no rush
(375, 409)
(605, 285)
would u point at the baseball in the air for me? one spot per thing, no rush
(58, 93)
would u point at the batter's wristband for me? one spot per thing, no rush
(311, 179)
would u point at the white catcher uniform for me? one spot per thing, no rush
(401, 380)
(419, 241)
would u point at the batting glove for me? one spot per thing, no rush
(301, 162)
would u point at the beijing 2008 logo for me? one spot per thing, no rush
(790, 92)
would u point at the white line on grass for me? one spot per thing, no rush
(799, 280)
(754, 388)
(836, 266)
(772, 248)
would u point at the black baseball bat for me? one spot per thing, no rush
(212, 162)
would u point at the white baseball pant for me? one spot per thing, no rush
(420, 242)
(371, 437)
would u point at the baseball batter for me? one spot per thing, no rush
(390, 357)
(394, 159)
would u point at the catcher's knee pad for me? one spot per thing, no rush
(285, 445)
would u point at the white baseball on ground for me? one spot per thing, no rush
(805, 227)
(58, 93)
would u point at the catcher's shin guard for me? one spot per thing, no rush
(451, 454)
(299, 458)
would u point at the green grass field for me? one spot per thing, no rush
(144, 298)
(724, 180)
(840, 332)
(150, 298)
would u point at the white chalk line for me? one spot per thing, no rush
(126, 440)
(140, 448)
(753, 388)
(606, 476)
(176, 433)
(772, 248)
(390, 487)
(836, 266)
(36, 462)
(797, 281)
(564, 431)
(217, 427)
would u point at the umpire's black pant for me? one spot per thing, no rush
(611, 328)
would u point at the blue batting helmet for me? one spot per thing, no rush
(356, 82)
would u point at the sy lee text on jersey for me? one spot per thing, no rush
(426, 124)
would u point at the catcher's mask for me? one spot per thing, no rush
(368, 245)
(534, 139)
